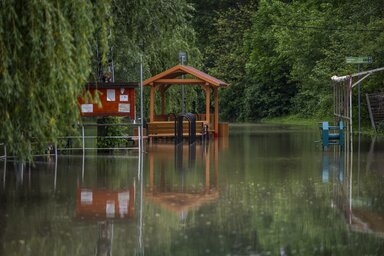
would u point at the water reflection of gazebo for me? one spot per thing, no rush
(174, 198)
(173, 76)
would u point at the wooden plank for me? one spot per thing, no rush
(172, 123)
(166, 128)
(169, 135)
(179, 81)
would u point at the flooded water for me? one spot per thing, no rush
(266, 190)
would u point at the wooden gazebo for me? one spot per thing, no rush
(173, 76)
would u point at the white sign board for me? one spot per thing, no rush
(125, 108)
(123, 97)
(123, 203)
(110, 209)
(86, 197)
(111, 95)
(86, 108)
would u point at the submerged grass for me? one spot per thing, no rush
(292, 119)
(297, 120)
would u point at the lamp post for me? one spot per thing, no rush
(182, 59)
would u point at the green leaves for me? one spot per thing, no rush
(279, 55)
(156, 30)
(46, 47)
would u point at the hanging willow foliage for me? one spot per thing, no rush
(45, 52)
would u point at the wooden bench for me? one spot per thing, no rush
(167, 128)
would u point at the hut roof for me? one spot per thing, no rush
(171, 76)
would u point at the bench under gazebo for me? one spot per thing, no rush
(162, 124)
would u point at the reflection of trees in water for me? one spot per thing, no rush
(257, 217)
(359, 195)
(368, 192)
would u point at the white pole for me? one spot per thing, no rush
(182, 91)
(83, 160)
(141, 107)
(350, 105)
(82, 134)
(55, 178)
(343, 78)
(358, 98)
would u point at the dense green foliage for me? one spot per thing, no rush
(155, 31)
(45, 49)
(49, 49)
(279, 55)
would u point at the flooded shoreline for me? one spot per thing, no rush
(266, 190)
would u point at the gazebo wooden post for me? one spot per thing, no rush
(152, 104)
(207, 105)
(216, 94)
(162, 92)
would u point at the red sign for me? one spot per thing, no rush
(105, 204)
(114, 99)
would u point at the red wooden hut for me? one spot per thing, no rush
(115, 99)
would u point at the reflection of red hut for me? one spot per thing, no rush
(105, 204)
(116, 99)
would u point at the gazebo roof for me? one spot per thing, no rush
(171, 76)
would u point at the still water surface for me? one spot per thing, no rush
(266, 190)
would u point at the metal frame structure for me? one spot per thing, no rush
(83, 137)
(343, 93)
(375, 104)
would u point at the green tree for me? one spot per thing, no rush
(296, 46)
(157, 31)
(228, 56)
(286, 51)
(220, 27)
(45, 49)
(269, 90)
